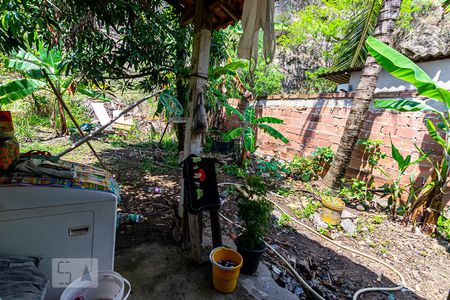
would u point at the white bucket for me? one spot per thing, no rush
(110, 285)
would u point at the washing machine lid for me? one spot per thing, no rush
(27, 197)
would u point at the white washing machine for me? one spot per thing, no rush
(58, 223)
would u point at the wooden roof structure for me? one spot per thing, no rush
(343, 76)
(222, 12)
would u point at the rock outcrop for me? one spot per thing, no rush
(428, 37)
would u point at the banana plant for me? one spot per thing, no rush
(429, 204)
(250, 125)
(394, 188)
(33, 68)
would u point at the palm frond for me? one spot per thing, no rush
(354, 52)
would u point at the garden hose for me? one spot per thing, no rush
(359, 292)
(288, 265)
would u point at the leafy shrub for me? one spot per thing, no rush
(322, 156)
(309, 210)
(443, 227)
(355, 190)
(234, 170)
(284, 219)
(254, 211)
(309, 168)
(273, 168)
(284, 191)
(302, 168)
(372, 150)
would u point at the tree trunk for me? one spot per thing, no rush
(196, 117)
(182, 45)
(363, 97)
(62, 118)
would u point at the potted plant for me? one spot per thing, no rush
(255, 213)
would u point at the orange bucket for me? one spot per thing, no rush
(225, 277)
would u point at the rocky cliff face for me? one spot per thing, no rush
(295, 62)
(429, 36)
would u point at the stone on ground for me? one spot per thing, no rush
(348, 226)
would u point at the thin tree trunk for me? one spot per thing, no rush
(62, 118)
(363, 97)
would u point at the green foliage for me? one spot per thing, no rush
(323, 154)
(169, 104)
(309, 168)
(403, 68)
(272, 168)
(362, 25)
(395, 189)
(378, 219)
(266, 79)
(309, 210)
(372, 149)
(410, 9)
(18, 89)
(285, 191)
(250, 124)
(235, 170)
(303, 168)
(322, 157)
(443, 227)
(284, 219)
(32, 65)
(317, 23)
(255, 213)
(23, 23)
(355, 189)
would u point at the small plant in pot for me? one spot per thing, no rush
(255, 213)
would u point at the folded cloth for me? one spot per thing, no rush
(256, 15)
(20, 278)
(42, 167)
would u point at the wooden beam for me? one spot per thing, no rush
(197, 85)
(230, 11)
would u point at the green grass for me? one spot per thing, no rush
(309, 210)
(284, 219)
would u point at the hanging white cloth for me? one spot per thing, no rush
(256, 15)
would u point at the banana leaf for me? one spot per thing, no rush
(403, 68)
(18, 89)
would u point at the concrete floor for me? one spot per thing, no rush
(163, 271)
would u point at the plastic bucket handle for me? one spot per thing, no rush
(126, 285)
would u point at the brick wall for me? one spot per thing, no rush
(319, 120)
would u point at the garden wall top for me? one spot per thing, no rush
(340, 95)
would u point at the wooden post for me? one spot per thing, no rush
(197, 84)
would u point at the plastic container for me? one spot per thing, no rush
(9, 146)
(225, 278)
(332, 210)
(109, 285)
(156, 190)
(251, 258)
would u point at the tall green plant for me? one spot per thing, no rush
(395, 189)
(33, 66)
(429, 204)
(254, 211)
(250, 125)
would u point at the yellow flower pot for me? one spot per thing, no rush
(332, 210)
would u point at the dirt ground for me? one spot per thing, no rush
(336, 273)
